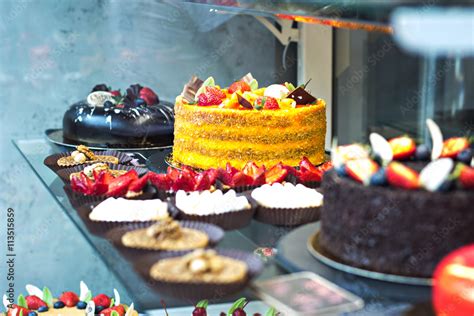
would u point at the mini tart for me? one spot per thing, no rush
(165, 235)
(200, 266)
(87, 157)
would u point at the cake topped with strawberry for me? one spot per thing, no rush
(110, 118)
(41, 302)
(396, 206)
(401, 163)
(244, 122)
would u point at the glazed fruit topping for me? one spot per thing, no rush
(403, 147)
(34, 302)
(310, 173)
(402, 176)
(255, 172)
(466, 177)
(211, 96)
(239, 86)
(266, 103)
(108, 311)
(70, 299)
(276, 174)
(361, 170)
(19, 310)
(453, 146)
(148, 95)
(102, 300)
(119, 186)
(103, 183)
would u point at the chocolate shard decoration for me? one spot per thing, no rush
(301, 96)
(247, 78)
(243, 102)
(190, 88)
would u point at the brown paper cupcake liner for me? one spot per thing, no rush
(101, 228)
(198, 290)
(214, 233)
(52, 160)
(78, 199)
(66, 173)
(287, 216)
(227, 221)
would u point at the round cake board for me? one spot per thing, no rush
(317, 252)
(55, 136)
(298, 258)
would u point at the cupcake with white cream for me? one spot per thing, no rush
(227, 210)
(287, 204)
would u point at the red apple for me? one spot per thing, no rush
(453, 290)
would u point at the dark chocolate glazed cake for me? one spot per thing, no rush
(108, 118)
(393, 230)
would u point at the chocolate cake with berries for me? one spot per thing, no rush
(396, 207)
(108, 118)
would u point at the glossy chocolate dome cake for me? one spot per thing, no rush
(109, 119)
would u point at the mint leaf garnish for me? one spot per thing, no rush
(271, 312)
(88, 297)
(112, 302)
(47, 296)
(21, 301)
(240, 303)
(202, 304)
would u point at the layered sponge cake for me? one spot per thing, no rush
(242, 123)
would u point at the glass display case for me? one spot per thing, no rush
(360, 56)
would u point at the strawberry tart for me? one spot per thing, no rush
(108, 118)
(242, 123)
(398, 207)
(41, 302)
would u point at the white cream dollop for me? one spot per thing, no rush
(207, 203)
(287, 195)
(123, 210)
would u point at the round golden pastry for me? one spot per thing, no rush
(166, 235)
(200, 266)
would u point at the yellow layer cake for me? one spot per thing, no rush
(210, 136)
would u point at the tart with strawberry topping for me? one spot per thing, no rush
(110, 118)
(242, 123)
(398, 207)
(41, 302)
